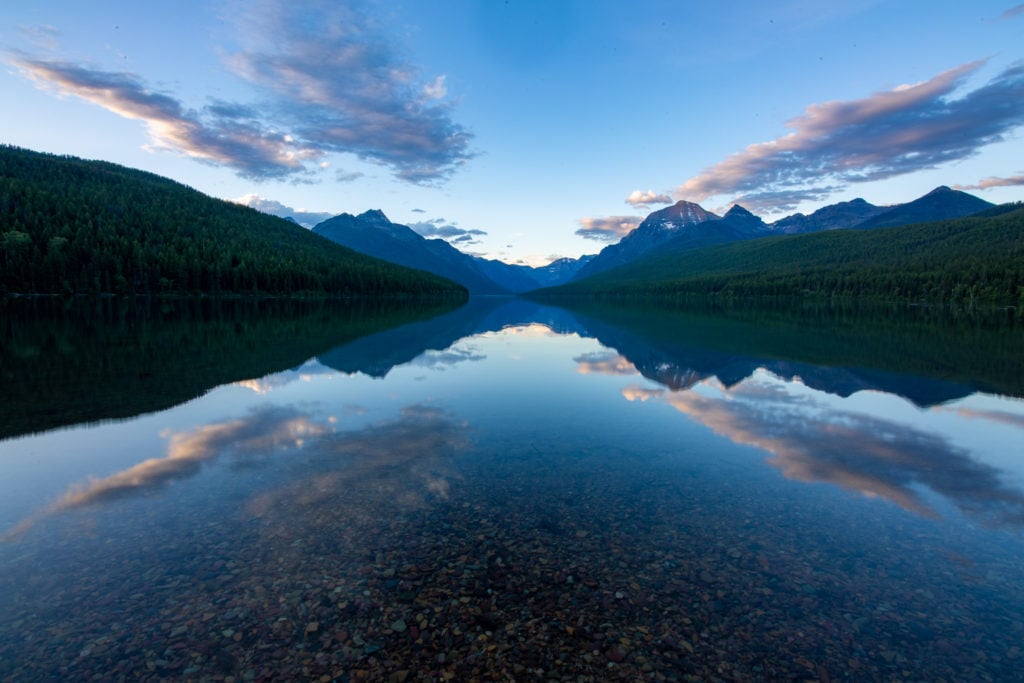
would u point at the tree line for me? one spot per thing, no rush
(966, 261)
(71, 226)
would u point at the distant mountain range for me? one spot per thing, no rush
(373, 234)
(686, 226)
(679, 228)
(74, 227)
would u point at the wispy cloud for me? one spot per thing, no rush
(450, 357)
(644, 199)
(221, 133)
(438, 227)
(993, 181)
(343, 176)
(890, 133)
(812, 442)
(604, 363)
(344, 87)
(1013, 12)
(45, 37)
(262, 433)
(608, 229)
(362, 476)
(276, 208)
(328, 80)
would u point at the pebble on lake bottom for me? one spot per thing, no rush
(523, 574)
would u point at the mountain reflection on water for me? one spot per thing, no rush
(515, 491)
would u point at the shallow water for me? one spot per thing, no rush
(519, 492)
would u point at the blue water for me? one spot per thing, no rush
(521, 503)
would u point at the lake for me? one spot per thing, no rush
(509, 490)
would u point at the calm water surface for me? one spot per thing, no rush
(508, 491)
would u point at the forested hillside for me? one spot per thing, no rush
(964, 261)
(73, 226)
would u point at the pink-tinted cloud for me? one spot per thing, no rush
(890, 133)
(264, 432)
(341, 85)
(870, 455)
(641, 198)
(328, 80)
(604, 363)
(993, 181)
(607, 229)
(222, 134)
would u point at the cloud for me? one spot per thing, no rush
(343, 176)
(640, 198)
(418, 211)
(604, 363)
(608, 229)
(992, 181)
(998, 416)
(890, 133)
(1012, 12)
(276, 208)
(46, 37)
(327, 81)
(266, 430)
(344, 87)
(438, 227)
(812, 442)
(222, 133)
(364, 475)
(436, 89)
(783, 200)
(397, 463)
(263, 432)
(450, 357)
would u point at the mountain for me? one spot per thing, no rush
(977, 259)
(72, 226)
(520, 278)
(658, 228)
(832, 217)
(940, 204)
(373, 234)
(513, 277)
(678, 228)
(686, 226)
(561, 270)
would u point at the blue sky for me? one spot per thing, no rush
(527, 130)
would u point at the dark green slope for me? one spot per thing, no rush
(73, 226)
(967, 260)
(942, 203)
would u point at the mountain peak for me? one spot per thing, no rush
(737, 211)
(941, 189)
(688, 211)
(373, 216)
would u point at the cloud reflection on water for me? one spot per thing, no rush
(410, 449)
(604, 363)
(440, 360)
(998, 416)
(265, 430)
(811, 441)
(363, 476)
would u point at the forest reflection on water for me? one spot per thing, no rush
(511, 489)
